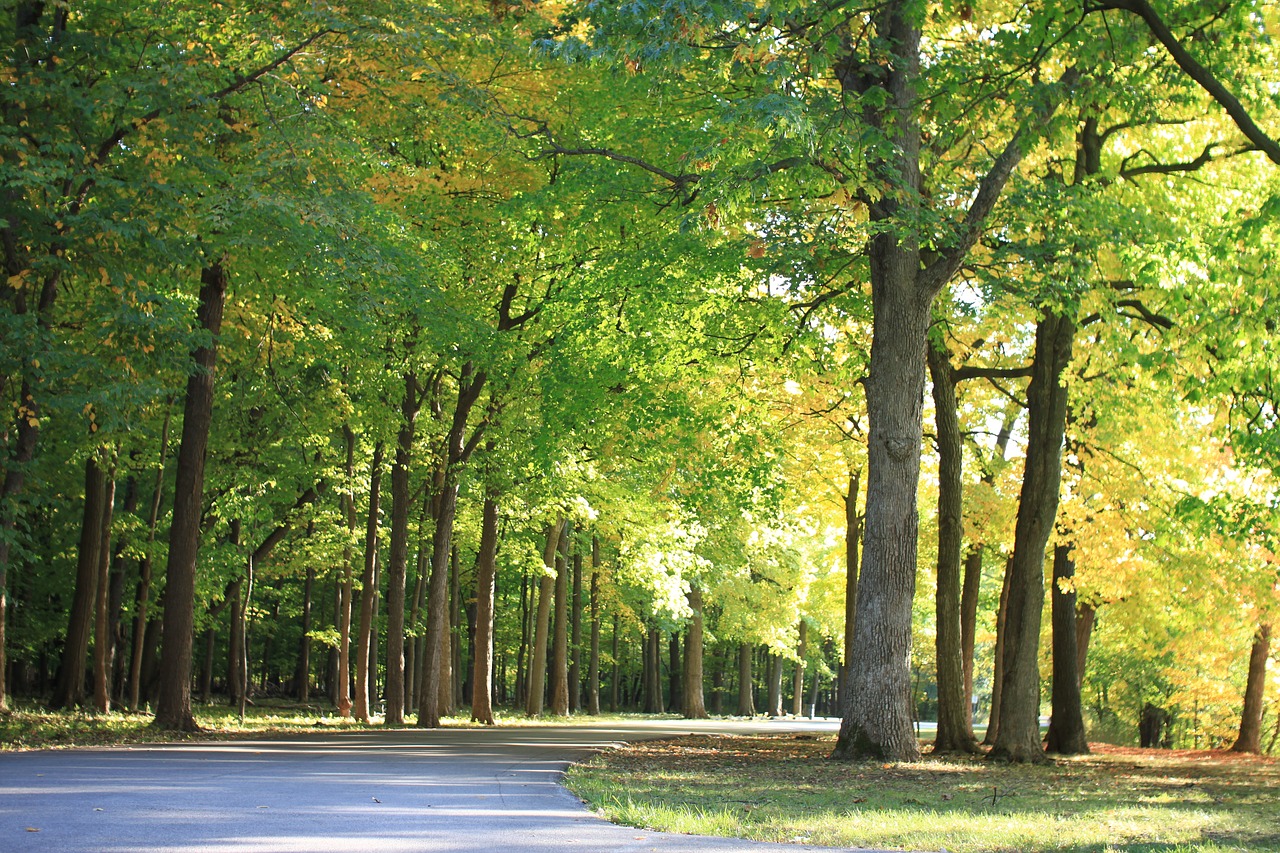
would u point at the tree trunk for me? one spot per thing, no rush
(173, 707)
(575, 640)
(560, 634)
(142, 598)
(482, 651)
(694, 702)
(1086, 615)
(75, 651)
(368, 590)
(102, 632)
(675, 681)
(955, 720)
(797, 684)
(852, 536)
(746, 697)
(346, 590)
(535, 689)
(1250, 737)
(1066, 725)
(997, 678)
(615, 670)
(653, 703)
(774, 671)
(969, 591)
(398, 563)
(1018, 738)
(593, 662)
(302, 669)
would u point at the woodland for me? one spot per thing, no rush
(898, 361)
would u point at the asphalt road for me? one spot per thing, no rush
(399, 791)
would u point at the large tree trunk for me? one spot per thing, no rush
(797, 683)
(593, 662)
(852, 537)
(955, 720)
(1066, 725)
(746, 696)
(398, 564)
(482, 652)
(653, 703)
(70, 689)
(694, 703)
(535, 688)
(560, 632)
(368, 591)
(1250, 737)
(1018, 738)
(142, 598)
(173, 706)
(346, 589)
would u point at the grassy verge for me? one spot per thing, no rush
(783, 788)
(36, 728)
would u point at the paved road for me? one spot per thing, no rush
(402, 791)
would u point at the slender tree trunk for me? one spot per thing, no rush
(575, 640)
(1086, 614)
(102, 632)
(482, 653)
(235, 639)
(969, 593)
(593, 663)
(398, 564)
(616, 669)
(522, 651)
(1018, 738)
(695, 707)
(852, 536)
(775, 685)
(302, 670)
(652, 676)
(368, 589)
(997, 678)
(346, 590)
(746, 696)
(173, 707)
(535, 690)
(955, 721)
(560, 634)
(797, 683)
(1066, 734)
(142, 598)
(1250, 736)
(71, 674)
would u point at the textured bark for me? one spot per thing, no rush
(1250, 736)
(75, 650)
(486, 572)
(1018, 738)
(653, 703)
(173, 705)
(775, 685)
(746, 697)
(102, 620)
(560, 635)
(852, 538)
(969, 592)
(797, 683)
(675, 682)
(535, 689)
(997, 680)
(1086, 615)
(695, 707)
(593, 662)
(368, 591)
(398, 558)
(1066, 734)
(575, 640)
(955, 719)
(346, 589)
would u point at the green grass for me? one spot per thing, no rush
(778, 788)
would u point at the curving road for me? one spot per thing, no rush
(396, 791)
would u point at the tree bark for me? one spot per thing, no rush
(535, 690)
(997, 678)
(75, 651)
(102, 633)
(593, 662)
(852, 537)
(694, 702)
(173, 706)
(1250, 736)
(775, 685)
(368, 590)
(575, 640)
(746, 696)
(653, 703)
(482, 654)
(398, 562)
(1018, 738)
(560, 633)
(346, 589)
(1086, 615)
(1066, 734)
(302, 668)
(797, 683)
(955, 720)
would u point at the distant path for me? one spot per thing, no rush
(396, 791)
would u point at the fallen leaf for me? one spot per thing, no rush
(32, 829)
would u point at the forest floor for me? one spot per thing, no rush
(785, 788)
